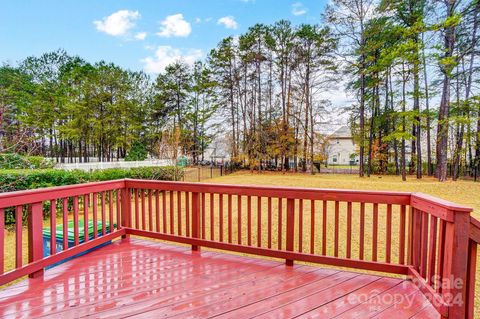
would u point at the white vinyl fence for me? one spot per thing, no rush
(120, 164)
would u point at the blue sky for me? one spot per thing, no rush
(136, 34)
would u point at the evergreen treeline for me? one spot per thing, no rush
(412, 66)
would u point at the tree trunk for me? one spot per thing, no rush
(444, 109)
(428, 119)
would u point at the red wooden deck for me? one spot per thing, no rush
(146, 279)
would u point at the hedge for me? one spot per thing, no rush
(16, 180)
(16, 161)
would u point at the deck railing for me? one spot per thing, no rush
(431, 241)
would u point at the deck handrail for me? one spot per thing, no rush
(431, 241)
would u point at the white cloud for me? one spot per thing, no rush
(141, 35)
(118, 23)
(165, 55)
(298, 9)
(174, 25)
(229, 22)
(198, 20)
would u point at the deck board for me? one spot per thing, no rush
(144, 279)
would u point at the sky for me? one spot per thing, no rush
(136, 34)
(142, 35)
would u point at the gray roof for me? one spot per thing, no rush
(342, 132)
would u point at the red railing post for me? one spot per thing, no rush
(290, 227)
(126, 209)
(195, 219)
(472, 269)
(35, 242)
(416, 235)
(456, 264)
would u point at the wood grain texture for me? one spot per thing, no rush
(152, 279)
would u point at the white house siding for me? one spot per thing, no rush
(340, 150)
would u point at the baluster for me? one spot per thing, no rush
(249, 220)
(337, 224)
(110, 210)
(440, 252)
(75, 221)
(229, 218)
(375, 232)
(362, 231)
(157, 211)
(269, 222)
(95, 218)
(401, 248)
(18, 236)
(137, 210)
(300, 225)
(150, 211)
(195, 219)
(187, 213)
(424, 245)
(349, 229)
(118, 209)
(324, 228)
(164, 212)
(85, 217)
(172, 221)
(279, 223)
(239, 219)
(220, 216)
(290, 228)
(388, 234)
(144, 215)
(104, 220)
(312, 227)
(212, 216)
(65, 223)
(53, 226)
(203, 216)
(259, 221)
(410, 236)
(179, 213)
(432, 249)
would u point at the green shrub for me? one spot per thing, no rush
(12, 161)
(16, 161)
(138, 152)
(40, 162)
(109, 174)
(14, 180)
(23, 179)
(169, 173)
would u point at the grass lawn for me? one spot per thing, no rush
(461, 192)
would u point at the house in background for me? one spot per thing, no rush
(341, 149)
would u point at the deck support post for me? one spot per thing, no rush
(456, 264)
(35, 244)
(126, 209)
(290, 227)
(195, 219)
